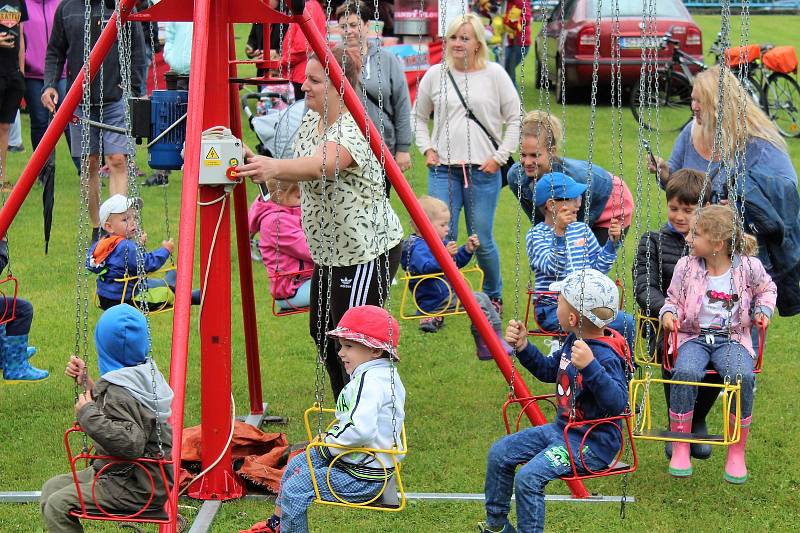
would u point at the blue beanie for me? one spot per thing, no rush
(121, 338)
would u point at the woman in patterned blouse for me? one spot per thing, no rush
(353, 233)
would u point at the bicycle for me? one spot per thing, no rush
(674, 96)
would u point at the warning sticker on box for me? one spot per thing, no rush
(212, 158)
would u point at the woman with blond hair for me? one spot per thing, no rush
(747, 138)
(471, 99)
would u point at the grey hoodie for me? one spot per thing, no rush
(393, 92)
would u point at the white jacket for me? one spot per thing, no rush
(364, 413)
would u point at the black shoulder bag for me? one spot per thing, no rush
(505, 168)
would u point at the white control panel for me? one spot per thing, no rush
(220, 154)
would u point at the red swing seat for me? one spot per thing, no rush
(276, 309)
(8, 290)
(531, 324)
(147, 514)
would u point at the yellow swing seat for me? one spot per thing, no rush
(409, 306)
(391, 497)
(158, 298)
(648, 330)
(640, 397)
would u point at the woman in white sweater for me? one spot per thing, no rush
(465, 151)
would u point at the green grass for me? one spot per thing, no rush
(453, 401)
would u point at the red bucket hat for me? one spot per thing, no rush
(371, 326)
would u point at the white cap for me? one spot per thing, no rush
(117, 204)
(590, 289)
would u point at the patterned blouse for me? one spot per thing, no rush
(347, 221)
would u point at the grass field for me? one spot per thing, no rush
(453, 401)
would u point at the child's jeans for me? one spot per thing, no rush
(548, 321)
(297, 490)
(302, 298)
(544, 451)
(60, 496)
(729, 358)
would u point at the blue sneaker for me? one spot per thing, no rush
(484, 528)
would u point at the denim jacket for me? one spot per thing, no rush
(751, 282)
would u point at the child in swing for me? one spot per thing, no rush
(591, 383)
(561, 245)
(125, 415)
(115, 255)
(435, 295)
(369, 413)
(717, 294)
(282, 244)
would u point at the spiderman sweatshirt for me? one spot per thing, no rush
(599, 390)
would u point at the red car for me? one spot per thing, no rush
(578, 28)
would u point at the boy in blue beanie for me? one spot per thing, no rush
(125, 414)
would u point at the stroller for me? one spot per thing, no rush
(274, 125)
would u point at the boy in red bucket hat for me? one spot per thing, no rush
(369, 414)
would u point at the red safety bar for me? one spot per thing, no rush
(146, 514)
(615, 468)
(9, 307)
(672, 340)
(276, 310)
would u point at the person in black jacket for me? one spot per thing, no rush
(656, 256)
(66, 46)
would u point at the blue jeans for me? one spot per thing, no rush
(623, 323)
(297, 490)
(729, 358)
(23, 316)
(543, 455)
(479, 201)
(513, 57)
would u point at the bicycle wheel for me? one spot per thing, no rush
(783, 104)
(668, 110)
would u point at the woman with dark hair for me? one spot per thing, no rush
(353, 233)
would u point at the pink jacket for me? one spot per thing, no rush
(685, 296)
(283, 245)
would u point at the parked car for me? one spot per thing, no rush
(578, 26)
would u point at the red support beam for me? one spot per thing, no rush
(407, 196)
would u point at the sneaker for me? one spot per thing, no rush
(158, 179)
(19, 148)
(555, 345)
(484, 528)
(431, 324)
(497, 303)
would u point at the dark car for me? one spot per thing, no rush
(578, 26)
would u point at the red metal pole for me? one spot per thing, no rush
(60, 121)
(220, 483)
(406, 194)
(243, 252)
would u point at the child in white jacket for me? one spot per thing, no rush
(369, 414)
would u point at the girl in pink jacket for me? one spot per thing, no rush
(282, 243)
(717, 295)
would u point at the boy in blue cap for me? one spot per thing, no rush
(561, 245)
(125, 414)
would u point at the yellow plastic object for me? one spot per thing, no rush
(409, 307)
(645, 350)
(395, 453)
(132, 283)
(498, 30)
(640, 390)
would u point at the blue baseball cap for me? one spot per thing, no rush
(557, 185)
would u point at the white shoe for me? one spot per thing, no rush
(555, 345)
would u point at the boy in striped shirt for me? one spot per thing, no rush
(561, 244)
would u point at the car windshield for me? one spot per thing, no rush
(633, 8)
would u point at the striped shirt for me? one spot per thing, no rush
(552, 258)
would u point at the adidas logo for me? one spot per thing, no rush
(345, 283)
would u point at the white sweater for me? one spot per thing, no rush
(364, 412)
(493, 99)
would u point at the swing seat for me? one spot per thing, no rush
(146, 514)
(640, 391)
(157, 298)
(391, 497)
(617, 467)
(671, 340)
(277, 310)
(409, 305)
(647, 329)
(8, 290)
(531, 324)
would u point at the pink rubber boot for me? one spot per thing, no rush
(735, 467)
(681, 463)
